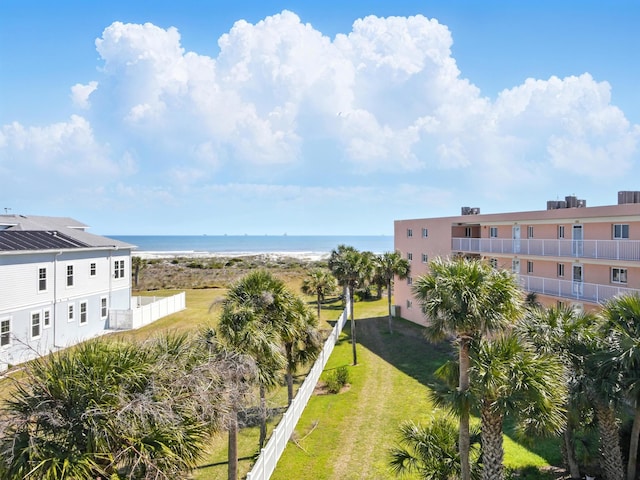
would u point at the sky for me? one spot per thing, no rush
(159, 117)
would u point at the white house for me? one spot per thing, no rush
(58, 284)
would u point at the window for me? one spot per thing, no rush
(530, 231)
(409, 281)
(5, 332)
(46, 318)
(560, 231)
(83, 313)
(561, 269)
(467, 232)
(409, 256)
(529, 266)
(493, 262)
(119, 269)
(70, 312)
(69, 275)
(620, 231)
(92, 269)
(493, 232)
(103, 307)
(425, 258)
(409, 232)
(425, 233)
(42, 279)
(619, 275)
(35, 325)
(409, 303)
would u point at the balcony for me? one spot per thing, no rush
(624, 250)
(579, 291)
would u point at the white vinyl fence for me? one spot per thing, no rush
(270, 454)
(145, 310)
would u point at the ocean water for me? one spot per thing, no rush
(254, 244)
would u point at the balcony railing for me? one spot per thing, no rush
(587, 292)
(626, 250)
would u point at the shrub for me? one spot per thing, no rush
(337, 379)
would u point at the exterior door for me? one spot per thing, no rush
(516, 238)
(577, 279)
(515, 266)
(577, 244)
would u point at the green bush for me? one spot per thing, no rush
(337, 379)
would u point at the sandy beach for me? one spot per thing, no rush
(273, 256)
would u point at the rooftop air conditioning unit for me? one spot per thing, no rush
(581, 203)
(475, 211)
(465, 210)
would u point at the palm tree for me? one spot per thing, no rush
(352, 269)
(568, 334)
(622, 320)
(137, 263)
(510, 378)
(387, 266)
(105, 407)
(465, 299)
(302, 343)
(430, 450)
(251, 323)
(319, 282)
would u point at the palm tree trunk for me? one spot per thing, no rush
(633, 445)
(463, 386)
(289, 375)
(263, 416)
(232, 457)
(570, 451)
(353, 328)
(389, 304)
(318, 302)
(611, 455)
(492, 450)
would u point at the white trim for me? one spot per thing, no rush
(621, 236)
(105, 307)
(86, 312)
(31, 317)
(46, 279)
(66, 275)
(44, 312)
(620, 275)
(6, 319)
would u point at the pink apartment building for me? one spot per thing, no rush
(568, 253)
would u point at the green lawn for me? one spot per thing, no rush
(347, 435)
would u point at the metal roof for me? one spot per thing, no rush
(70, 227)
(14, 240)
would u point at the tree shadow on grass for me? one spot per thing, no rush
(408, 350)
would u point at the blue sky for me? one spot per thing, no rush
(159, 117)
